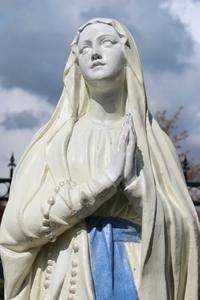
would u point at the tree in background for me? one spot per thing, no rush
(170, 126)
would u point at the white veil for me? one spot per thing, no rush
(170, 230)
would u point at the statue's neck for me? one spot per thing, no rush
(107, 106)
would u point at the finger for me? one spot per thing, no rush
(124, 128)
(131, 143)
(124, 124)
(123, 139)
(133, 133)
(131, 126)
(130, 121)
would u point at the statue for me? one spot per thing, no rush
(98, 206)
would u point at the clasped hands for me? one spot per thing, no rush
(121, 169)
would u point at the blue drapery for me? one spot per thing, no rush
(111, 272)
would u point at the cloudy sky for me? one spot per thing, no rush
(35, 37)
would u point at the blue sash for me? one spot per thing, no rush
(111, 272)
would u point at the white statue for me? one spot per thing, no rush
(98, 206)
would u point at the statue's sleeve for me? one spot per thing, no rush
(53, 211)
(56, 207)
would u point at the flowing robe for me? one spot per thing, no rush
(41, 230)
(55, 258)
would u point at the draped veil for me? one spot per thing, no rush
(170, 232)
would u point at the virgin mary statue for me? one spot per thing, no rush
(98, 206)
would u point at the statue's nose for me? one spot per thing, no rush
(96, 56)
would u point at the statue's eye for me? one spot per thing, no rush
(84, 49)
(108, 42)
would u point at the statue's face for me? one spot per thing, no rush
(100, 52)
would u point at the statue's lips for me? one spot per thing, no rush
(96, 64)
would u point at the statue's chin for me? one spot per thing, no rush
(100, 75)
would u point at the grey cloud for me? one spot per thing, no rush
(35, 39)
(168, 53)
(34, 47)
(20, 120)
(163, 42)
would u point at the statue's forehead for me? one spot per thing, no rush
(95, 30)
(108, 22)
(96, 21)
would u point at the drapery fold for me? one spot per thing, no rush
(170, 229)
(111, 272)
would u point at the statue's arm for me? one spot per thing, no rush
(46, 217)
(57, 206)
